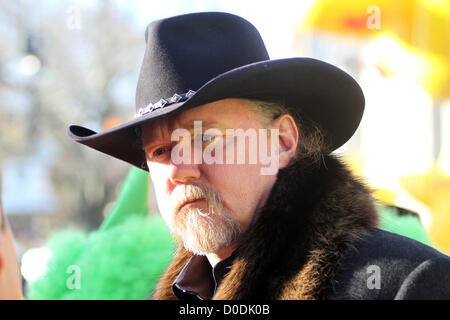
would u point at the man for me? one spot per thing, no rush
(238, 148)
(10, 282)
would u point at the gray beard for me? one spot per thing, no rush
(204, 233)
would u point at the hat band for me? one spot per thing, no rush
(162, 103)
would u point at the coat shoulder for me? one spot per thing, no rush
(384, 265)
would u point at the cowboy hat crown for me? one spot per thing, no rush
(185, 52)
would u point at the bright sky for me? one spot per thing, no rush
(275, 20)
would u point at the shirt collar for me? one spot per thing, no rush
(198, 280)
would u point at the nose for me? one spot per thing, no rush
(184, 173)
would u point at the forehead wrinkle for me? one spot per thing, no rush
(204, 124)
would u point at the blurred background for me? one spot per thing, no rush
(77, 62)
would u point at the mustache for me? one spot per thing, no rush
(190, 193)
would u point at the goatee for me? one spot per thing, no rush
(204, 229)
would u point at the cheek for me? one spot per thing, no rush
(240, 187)
(253, 191)
(159, 176)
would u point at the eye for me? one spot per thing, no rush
(207, 137)
(158, 154)
(160, 151)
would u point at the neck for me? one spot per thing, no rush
(221, 254)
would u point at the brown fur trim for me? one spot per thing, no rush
(313, 215)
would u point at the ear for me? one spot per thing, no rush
(287, 137)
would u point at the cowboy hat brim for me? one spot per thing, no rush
(325, 94)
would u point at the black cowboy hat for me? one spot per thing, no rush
(194, 59)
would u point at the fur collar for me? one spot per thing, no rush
(314, 213)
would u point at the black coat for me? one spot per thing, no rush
(407, 269)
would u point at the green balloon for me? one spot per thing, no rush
(121, 260)
(402, 222)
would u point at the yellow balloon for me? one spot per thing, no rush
(433, 189)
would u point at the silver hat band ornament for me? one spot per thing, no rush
(162, 103)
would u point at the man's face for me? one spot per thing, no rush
(207, 204)
(10, 284)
